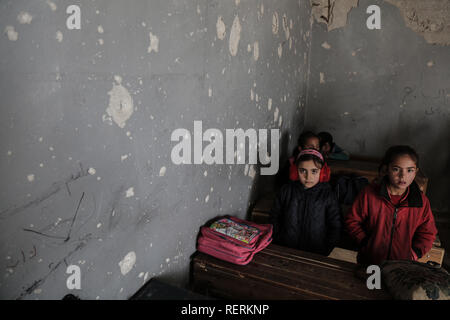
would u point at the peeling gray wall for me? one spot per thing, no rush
(376, 88)
(87, 116)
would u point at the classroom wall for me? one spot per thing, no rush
(86, 124)
(376, 88)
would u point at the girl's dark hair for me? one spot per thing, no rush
(306, 157)
(393, 152)
(325, 137)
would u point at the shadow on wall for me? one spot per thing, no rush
(262, 184)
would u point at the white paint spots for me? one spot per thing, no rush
(322, 77)
(141, 275)
(30, 177)
(127, 263)
(11, 33)
(221, 28)
(210, 92)
(124, 157)
(9, 153)
(280, 51)
(100, 29)
(269, 104)
(59, 36)
(24, 18)
(101, 42)
(275, 114)
(41, 139)
(52, 5)
(99, 225)
(129, 192)
(205, 173)
(235, 36)
(256, 50)
(37, 291)
(154, 43)
(252, 94)
(430, 64)
(207, 199)
(120, 104)
(280, 121)
(261, 11)
(326, 45)
(92, 171)
(51, 149)
(162, 171)
(285, 27)
(252, 172)
(275, 23)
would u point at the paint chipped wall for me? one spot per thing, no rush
(376, 88)
(430, 19)
(333, 13)
(87, 116)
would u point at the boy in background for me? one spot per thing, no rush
(330, 149)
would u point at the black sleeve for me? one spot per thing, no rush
(276, 213)
(334, 221)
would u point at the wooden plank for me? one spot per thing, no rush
(343, 254)
(435, 255)
(281, 273)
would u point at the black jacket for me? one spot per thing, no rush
(306, 219)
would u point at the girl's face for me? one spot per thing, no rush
(308, 173)
(401, 172)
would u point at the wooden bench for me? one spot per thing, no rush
(281, 273)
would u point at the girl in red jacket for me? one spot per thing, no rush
(392, 220)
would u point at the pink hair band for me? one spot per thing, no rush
(312, 152)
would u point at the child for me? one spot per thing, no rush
(306, 214)
(392, 220)
(307, 140)
(330, 149)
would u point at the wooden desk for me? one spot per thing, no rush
(369, 170)
(281, 273)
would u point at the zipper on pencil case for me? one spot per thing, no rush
(223, 252)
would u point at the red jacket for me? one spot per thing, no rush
(293, 171)
(372, 217)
